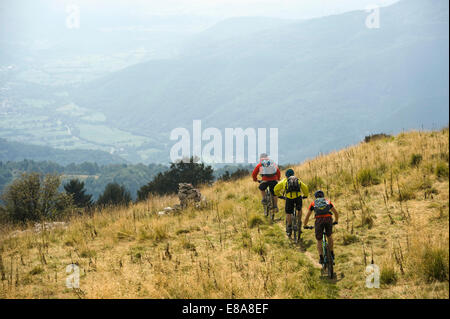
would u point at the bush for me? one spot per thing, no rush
(434, 264)
(114, 194)
(374, 137)
(388, 275)
(407, 193)
(441, 170)
(255, 220)
(180, 172)
(239, 173)
(416, 159)
(367, 177)
(33, 197)
(349, 239)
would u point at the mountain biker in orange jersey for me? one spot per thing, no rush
(323, 210)
(270, 174)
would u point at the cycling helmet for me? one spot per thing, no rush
(263, 155)
(290, 172)
(319, 194)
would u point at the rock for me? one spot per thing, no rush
(188, 194)
(38, 227)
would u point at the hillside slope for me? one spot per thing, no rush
(15, 151)
(392, 194)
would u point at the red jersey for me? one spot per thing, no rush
(258, 170)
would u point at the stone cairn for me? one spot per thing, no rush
(187, 194)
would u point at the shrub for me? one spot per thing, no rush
(33, 197)
(434, 264)
(441, 170)
(407, 193)
(237, 174)
(374, 137)
(186, 171)
(255, 220)
(349, 239)
(388, 275)
(114, 194)
(367, 177)
(416, 159)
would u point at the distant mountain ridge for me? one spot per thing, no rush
(325, 82)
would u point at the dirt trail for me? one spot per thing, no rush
(313, 260)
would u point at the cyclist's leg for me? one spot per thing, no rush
(289, 208)
(275, 199)
(318, 227)
(330, 242)
(262, 187)
(263, 195)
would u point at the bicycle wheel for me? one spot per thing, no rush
(294, 226)
(266, 210)
(266, 205)
(299, 229)
(324, 253)
(270, 204)
(330, 264)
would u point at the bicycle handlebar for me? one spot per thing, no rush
(284, 197)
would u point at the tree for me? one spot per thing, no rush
(237, 174)
(180, 172)
(34, 197)
(114, 194)
(75, 188)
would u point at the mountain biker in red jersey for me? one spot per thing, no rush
(270, 174)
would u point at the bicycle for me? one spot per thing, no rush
(297, 226)
(328, 262)
(268, 203)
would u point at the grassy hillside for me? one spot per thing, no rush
(392, 194)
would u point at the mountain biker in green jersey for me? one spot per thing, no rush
(323, 210)
(293, 190)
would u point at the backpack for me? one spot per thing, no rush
(268, 168)
(292, 185)
(322, 207)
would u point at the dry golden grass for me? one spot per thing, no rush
(230, 250)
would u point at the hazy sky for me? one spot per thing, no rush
(213, 8)
(276, 8)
